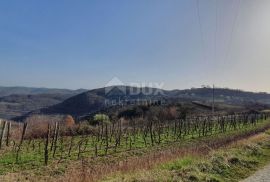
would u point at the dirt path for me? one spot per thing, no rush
(262, 175)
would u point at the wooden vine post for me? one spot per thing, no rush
(46, 150)
(8, 133)
(3, 124)
(21, 142)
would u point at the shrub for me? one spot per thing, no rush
(253, 150)
(69, 121)
(219, 164)
(204, 167)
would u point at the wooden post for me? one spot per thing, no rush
(21, 141)
(70, 146)
(8, 133)
(46, 152)
(55, 138)
(54, 133)
(2, 133)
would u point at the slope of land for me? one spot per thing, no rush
(95, 100)
(17, 101)
(6, 91)
(20, 102)
(17, 105)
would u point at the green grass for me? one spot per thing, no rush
(179, 163)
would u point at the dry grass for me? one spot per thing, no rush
(96, 172)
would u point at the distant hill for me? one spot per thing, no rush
(223, 94)
(18, 101)
(98, 99)
(6, 91)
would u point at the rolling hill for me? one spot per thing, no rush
(18, 101)
(98, 99)
(6, 91)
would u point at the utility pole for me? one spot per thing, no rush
(213, 100)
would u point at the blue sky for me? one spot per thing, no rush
(84, 44)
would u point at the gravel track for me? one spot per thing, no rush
(262, 175)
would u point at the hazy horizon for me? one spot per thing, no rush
(202, 86)
(183, 44)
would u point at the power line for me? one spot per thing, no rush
(213, 100)
(215, 56)
(201, 30)
(232, 30)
